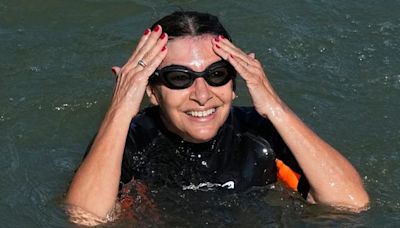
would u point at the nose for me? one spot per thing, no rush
(201, 92)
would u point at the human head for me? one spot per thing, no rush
(192, 23)
(190, 35)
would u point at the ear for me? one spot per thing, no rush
(152, 95)
(233, 95)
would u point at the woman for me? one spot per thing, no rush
(187, 66)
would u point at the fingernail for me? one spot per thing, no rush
(222, 37)
(216, 39)
(113, 70)
(216, 45)
(157, 28)
(147, 31)
(162, 35)
(164, 48)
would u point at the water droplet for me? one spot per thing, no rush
(34, 69)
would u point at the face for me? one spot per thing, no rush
(197, 112)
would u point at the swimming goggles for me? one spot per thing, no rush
(180, 77)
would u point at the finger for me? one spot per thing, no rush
(230, 45)
(115, 70)
(148, 45)
(142, 41)
(146, 61)
(245, 70)
(252, 55)
(150, 62)
(229, 52)
(147, 35)
(222, 53)
(155, 61)
(232, 50)
(155, 50)
(225, 55)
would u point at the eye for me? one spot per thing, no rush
(218, 75)
(177, 78)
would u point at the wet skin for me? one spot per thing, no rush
(195, 113)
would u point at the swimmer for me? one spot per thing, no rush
(187, 65)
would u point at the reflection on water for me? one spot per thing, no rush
(335, 63)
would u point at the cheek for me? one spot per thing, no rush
(226, 94)
(172, 100)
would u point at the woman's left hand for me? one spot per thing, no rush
(264, 98)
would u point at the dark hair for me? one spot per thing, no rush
(191, 23)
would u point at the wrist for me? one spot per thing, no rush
(120, 116)
(274, 108)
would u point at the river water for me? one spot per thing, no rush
(336, 64)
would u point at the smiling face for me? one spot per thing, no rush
(197, 112)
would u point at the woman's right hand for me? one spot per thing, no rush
(132, 78)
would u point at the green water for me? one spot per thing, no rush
(336, 63)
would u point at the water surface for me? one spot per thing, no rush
(336, 63)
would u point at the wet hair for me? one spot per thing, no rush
(191, 23)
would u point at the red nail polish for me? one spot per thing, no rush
(147, 31)
(162, 35)
(222, 37)
(164, 48)
(216, 45)
(113, 70)
(157, 28)
(216, 39)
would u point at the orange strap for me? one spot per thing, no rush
(287, 175)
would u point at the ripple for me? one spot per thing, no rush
(74, 106)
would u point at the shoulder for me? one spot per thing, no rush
(145, 116)
(146, 120)
(247, 119)
(145, 125)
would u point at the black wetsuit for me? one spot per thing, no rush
(241, 155)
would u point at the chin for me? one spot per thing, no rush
(201, 138)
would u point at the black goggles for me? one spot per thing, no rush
(180, 77)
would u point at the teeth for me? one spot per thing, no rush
(201, 113)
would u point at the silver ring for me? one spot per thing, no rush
(142, 63)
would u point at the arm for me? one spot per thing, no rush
(333, 180)
(94, 187)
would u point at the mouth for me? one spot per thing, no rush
(201, 114)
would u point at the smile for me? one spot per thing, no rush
(201, 113)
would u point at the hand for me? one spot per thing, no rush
(250, 69)
(132, 78)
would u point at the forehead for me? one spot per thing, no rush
(194, 52)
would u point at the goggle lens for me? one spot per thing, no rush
(179, 77)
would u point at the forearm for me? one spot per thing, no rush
(95, 184)
(332, 178)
